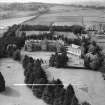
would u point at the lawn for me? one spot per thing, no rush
(69, 14)
(15, 95)
(89, 85)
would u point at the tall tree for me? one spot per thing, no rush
(38, 87)
(69, 94)
(2, 83)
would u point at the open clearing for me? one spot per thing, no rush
(15, 95)
(88, 85)
(70, 14)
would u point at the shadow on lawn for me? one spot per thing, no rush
(11, 92)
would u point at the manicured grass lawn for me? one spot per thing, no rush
(15, 95)
(88, 85)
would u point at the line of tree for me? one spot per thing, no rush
(2, 83)
(52, 92)
(74, 28)
(10, 46)
(10, 42)
(91, 6)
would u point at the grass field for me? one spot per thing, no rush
(89, 86)
(12, 21)
(16, 10)
(15, 95)
(69, 14)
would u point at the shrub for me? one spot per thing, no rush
(2, 83)
(48, 93)
(58, 60)
(93, 61)
(59, 98)
(86, 103)
(17, 55)
(69, 95)
(38, 87)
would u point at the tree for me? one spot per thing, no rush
(93, 61)
(58, 87)
(58, 60)
(11, 48)
(48, 93)
(102, 68)
(77, 29)
(85, 42)
(60, 99)
(94, 48)
(75, 101)
(69, 94)
(27, 60)
(86, 103)
(17, 55)
(2, 83)
(38, 87)
(29, 68)
(52, 60)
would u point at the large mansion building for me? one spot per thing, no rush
(44, 45)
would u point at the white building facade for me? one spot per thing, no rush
(74, 50)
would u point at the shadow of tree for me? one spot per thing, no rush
(11, 92)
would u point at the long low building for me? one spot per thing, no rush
(44, 45)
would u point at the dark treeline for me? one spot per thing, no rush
(90, 6)
(59, 60)
(34, 28)
(74, 28)
(52, 92)
(10, 39)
